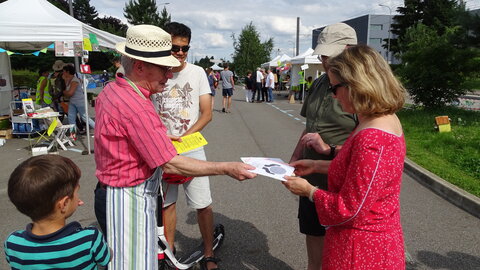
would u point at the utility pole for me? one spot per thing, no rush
(298, 37)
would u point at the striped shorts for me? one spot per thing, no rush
(131, 225)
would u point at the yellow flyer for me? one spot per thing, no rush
(190, 142)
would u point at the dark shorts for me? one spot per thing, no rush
(307, 214)
(100, 207)
(228, 92)
(213, 92)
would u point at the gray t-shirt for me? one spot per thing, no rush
(78, 96)
(226, 81)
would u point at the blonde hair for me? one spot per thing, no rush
(373, 89)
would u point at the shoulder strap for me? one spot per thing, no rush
(135, 88)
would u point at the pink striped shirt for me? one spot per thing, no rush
(130, 139)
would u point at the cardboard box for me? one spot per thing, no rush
(445, 128)
(442, 120)
(6, 134)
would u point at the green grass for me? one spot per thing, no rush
(454, 156)
(473, 84)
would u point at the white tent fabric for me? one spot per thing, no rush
(216, 67)
(314, 66)
(306, 58)
(274, 62)
(35, 24)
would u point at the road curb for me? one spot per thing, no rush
(444, 189)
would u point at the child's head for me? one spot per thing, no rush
(39, 182)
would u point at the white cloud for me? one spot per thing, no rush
(215, 40)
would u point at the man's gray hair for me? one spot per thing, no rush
(127, 64)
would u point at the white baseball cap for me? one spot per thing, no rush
(334, 38)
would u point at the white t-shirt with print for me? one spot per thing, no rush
(179, 104)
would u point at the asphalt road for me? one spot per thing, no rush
(259, 215)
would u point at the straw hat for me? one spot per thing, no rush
(150, 44)
(334, 38)
(58, 65)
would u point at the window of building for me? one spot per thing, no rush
(376, 26)
(374, 41)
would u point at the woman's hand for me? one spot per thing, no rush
(315, 141)
(303, 167)
(298, 186)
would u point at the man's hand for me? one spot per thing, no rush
(239, 170)
(315, 141)
(303, 167)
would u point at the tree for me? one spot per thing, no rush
(204, 62)
(144, 12)
(61, 4)
(112, 25)
(165, 18)
(437, 14)
(433, 68)
(249, 52)
(84, 12)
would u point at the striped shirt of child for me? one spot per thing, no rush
(71, 247)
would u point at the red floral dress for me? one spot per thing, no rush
(361, 208)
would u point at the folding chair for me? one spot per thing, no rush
(60, 132)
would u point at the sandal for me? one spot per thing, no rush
(209, 259)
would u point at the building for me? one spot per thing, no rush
(372, 30)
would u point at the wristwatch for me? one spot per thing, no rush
(332, 150)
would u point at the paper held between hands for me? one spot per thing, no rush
(271, 167)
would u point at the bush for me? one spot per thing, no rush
(434, 68)
(25, 78)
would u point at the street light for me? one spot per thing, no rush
(389, 28)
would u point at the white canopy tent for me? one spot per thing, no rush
(315, 66)
(34, 25)
(216, 67)
(276, 60)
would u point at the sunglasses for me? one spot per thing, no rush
(176, 48)
(333, 88)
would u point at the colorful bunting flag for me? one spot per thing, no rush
(44, 50)
(87, 46)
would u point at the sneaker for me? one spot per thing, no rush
(223, 110)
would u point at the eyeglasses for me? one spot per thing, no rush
(162, 67)
(333, 88)
(176, 48)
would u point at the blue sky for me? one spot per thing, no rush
(214, 22)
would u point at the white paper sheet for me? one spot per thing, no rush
(271, 167)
